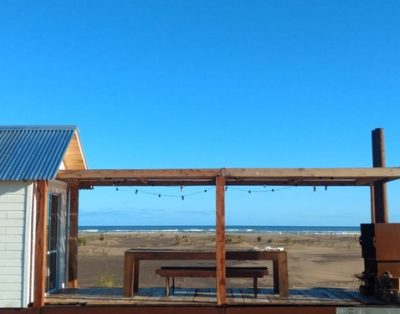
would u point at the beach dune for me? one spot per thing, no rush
(314, 260)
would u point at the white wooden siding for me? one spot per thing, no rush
(15, 203)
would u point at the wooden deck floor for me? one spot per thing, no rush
(204, 296)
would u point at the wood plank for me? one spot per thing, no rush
(115, 174)
(40, 244)
(220, 241)
(234, 176)
(332, 296)
(128, 275)
(315, 173)
(210, 271)
(73, 236)
(153, 296)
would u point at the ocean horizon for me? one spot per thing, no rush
(343, 230)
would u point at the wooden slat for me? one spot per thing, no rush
(73, 236)
(137, 173)
(128, 275)
(40, 244)
(74, 158)
(152, 296)
(283, 275)
(316, 173)
(220, 241)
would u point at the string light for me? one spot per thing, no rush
(260, 191)
(137, 191)
(183, 196)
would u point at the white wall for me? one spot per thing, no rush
(15, 243)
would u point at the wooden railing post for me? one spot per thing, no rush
(380, 195)
(40, 244)
(220, 241)
(73, 236)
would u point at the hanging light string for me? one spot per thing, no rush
(183, 195)
(227, 188)
(249, 191)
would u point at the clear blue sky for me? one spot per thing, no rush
(177, 84)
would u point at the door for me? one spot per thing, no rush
(53, 225)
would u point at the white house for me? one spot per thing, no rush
(30, 158)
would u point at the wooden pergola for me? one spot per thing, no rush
(375, 178)
(372, 177)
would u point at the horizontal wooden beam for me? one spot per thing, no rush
(301, 173)
(84, 184)
(111, 174)
(233, 176)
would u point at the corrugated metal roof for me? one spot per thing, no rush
(32, 152)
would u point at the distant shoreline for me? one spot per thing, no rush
(192, 229)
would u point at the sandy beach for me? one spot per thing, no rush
(315, 260)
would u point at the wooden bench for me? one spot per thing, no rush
(200, 271)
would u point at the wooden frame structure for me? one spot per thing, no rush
(369, 177)
(375, 178)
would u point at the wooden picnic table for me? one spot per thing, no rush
(134, 256)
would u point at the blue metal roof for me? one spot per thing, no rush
(32, 152)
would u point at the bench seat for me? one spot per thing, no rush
(201, 271)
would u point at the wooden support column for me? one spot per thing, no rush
(73, 236)
(40, 244)
(220, 241)
(379, 190)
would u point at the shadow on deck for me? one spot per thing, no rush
(206, 297)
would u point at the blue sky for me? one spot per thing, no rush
(179, 84)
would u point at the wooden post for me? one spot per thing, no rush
(220, 241)
(40, 244)
(73, 236)
(378, 158)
